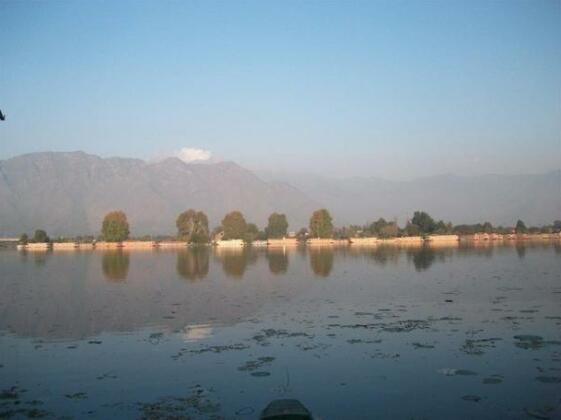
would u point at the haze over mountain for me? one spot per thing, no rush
(499, 199)
(69, 193)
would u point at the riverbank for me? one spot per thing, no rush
(432, 240)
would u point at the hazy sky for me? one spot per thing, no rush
(395, 89)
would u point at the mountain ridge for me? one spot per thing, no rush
(68, 193)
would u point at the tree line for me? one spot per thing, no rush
(193, 227)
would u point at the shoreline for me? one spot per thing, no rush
(432, 240)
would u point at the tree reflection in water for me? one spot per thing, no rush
(423, 257)
(193, 263)
(321, 260)
(235, 260)
(278, 260)
(115, 265)
(520, 249)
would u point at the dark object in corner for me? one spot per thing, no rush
(2, 116)
(286, 410)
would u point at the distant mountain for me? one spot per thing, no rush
(69, 193)
(499, 199)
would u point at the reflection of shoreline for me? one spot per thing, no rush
(80, 295)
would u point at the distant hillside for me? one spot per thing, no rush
(500, 199)
(69, 193)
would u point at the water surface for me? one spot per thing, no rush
(413, 333)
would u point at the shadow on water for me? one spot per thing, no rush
(278, 260)
(115, 265)
(193, 264)
(321, 260)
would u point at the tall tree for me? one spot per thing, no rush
(520, 227)
(425, 223)
(40, 236)
(192, 226)
(321, 224)
(24, 239)
(251, 233)
(277, 226)
(115, 227)
(234, 226)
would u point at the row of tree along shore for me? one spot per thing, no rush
(235, 231)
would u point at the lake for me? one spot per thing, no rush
(365, 333)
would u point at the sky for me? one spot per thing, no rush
(393, 89)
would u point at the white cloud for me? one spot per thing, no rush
(191, 154)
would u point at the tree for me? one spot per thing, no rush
(277, 226)
(391, 230)
(192, 227)
(321, 224)
(24, 239)
(302, 234)
(487, 227)
(520, 227)
(115, 227)
(412, 229)
(234, 226)
(425, 223)
(40, 236)
(557, 225)
(442, 228)
(251, 233)
(376, 227)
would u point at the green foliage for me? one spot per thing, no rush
(277, 226)
(390, 230)
(302, 234)
(234, 226)
(382, 229)
(115, 227)
(345, 232)
(321, 224)
(487, 227)
(520, 227)
(192, 227)
(24, 239)
(442, 228)
(412, 229)
(425, 223)
(251, 233)
(40, 236)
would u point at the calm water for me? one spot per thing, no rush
(377, 333)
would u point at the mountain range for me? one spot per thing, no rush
(68, 193)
